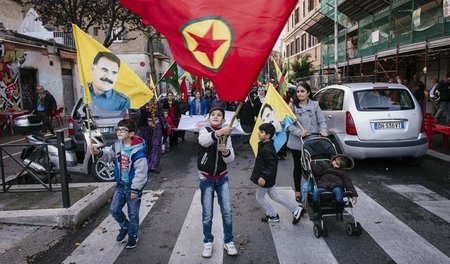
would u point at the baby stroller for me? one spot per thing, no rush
(317, 152)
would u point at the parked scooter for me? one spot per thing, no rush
(44, 160)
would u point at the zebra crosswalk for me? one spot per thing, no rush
(400, 242)
(101, 245)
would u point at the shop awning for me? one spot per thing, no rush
(319, 25)
(358, 10)
(67, 55)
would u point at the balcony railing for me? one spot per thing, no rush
(64, 38)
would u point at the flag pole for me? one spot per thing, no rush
(238, 109)
(88, 117)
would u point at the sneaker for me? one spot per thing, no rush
(122, 234)
(230, 248)
(271, 219)
(132, 242)
(297, 215)
(207, 250)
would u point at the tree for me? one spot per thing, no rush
(109, 15)
(302, 67)
(153, 37)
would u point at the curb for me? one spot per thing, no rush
(438, 156)
(63, 217)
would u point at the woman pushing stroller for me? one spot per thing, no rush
(334, 177)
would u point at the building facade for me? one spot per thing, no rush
(27, 60)
(379, 40)
(297, 42)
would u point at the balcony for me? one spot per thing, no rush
(64, 38)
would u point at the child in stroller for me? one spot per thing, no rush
(333, 177)
(326, 175)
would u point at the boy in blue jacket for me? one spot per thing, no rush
(130, 173)
(264, 175)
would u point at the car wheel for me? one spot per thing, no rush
(102, 171)
(413, 161)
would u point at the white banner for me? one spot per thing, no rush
(195, 122)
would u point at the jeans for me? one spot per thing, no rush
(338, 194)
(275, 196)
(443, 111)
(121, 197)
(222, 188)
(307, 186)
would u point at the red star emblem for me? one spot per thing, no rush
(206, 44)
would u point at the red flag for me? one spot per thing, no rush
(183, 89)
(226, 43)
(199, 84)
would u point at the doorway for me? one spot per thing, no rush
(28, 82)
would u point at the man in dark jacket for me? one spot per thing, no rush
(264, 175)
(443, 113)
(334, 178)
(45, 106)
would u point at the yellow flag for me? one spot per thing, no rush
(273, 110)
(107, 82)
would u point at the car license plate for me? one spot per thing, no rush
(388, 125)
(105, 129)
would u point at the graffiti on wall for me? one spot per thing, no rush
(10, 63)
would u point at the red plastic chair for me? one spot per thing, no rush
(57, 116)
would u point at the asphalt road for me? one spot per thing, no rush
(401, 209)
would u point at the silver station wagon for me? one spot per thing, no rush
(374, 120)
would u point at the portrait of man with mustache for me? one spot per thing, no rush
(105, 69)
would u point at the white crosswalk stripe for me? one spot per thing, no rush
(292, 241)
(101, 246)
(399, 241)
(189, 243)
(426, 198)
(394, 237)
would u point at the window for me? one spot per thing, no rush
(330, 99)
(292, 48)
(304, 7)
(303, 41)
(116, 31)
(287, 51)
(310, 5)
(312, 40)
(297, 14)
(297, 45)
(383, 100)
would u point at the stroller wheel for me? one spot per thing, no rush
(317, 230)
(358, 229)
(324, 231)
(349, 228)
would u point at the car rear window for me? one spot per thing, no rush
(383, 99)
